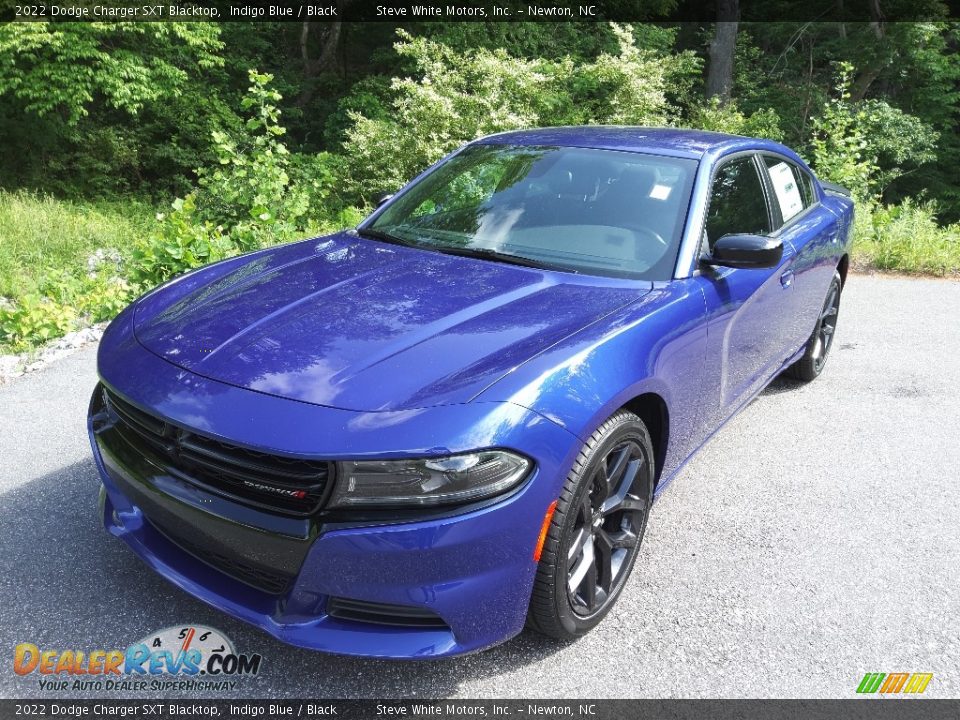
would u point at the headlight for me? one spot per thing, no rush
(431, 481)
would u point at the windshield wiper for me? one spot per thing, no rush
(488, 254)
(482, 253)
(385, 236)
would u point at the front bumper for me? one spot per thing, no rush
(474, 570)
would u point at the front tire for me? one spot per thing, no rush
(595, 533)
(818, 347)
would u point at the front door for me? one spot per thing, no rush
(746, 308)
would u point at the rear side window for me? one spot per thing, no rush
(737, 204)
(792, 187)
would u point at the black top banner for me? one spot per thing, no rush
(410, 11)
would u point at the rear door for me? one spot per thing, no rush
(747, 309)
(803, 222)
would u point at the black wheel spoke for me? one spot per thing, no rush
(590, 587)
(632, 504)
(586, 507)
(576, 547)
(623, 540)
(615, 472)
(829, 306)
(604, 554)
(618, 496)
(580, 569)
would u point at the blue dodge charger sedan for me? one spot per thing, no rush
(413, 438)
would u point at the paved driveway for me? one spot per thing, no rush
(816, 538)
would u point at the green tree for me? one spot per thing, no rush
(865, 145)
(64, 68)
(106, 108)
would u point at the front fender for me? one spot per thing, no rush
(654, 346)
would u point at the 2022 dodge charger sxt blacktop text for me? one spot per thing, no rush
(412, 438)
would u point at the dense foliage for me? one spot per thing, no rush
(251, 134)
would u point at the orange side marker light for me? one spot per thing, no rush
(543, 531)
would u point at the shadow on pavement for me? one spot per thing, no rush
(782, 384)
(69, 585)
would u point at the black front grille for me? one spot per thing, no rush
(291, 486)
(383, 613)
(274, 583)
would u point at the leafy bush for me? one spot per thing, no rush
(251, 180)
(728, 118)
(181, 243)
(839, 143)
(62, 265)
(103, 297)
(65, 301)
(257, 194)
(906, 238)
(895, 139)
(64, 67)
(33, 319)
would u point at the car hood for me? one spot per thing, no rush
(362, 325)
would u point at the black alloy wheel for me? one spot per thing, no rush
(607, 529)
(595, 534)
(826, 326)
(818, 346)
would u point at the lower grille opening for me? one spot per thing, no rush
(273, 583)
(383, 613)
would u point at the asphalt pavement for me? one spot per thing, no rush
(815, 538)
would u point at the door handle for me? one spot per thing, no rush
(786, 279)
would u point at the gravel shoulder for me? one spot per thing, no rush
(814, 539)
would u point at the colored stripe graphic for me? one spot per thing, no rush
(918, 682)
(894, 682)
(870, 682)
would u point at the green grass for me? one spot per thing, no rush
(906, 239)
(39, 235)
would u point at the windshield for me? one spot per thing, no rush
(600, 212)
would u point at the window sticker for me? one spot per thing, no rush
(660, 192)
(785, 186)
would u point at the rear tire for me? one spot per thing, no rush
(818, 346)
(596, 530)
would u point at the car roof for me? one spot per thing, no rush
(675, 142)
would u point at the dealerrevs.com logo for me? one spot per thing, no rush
(190, 657)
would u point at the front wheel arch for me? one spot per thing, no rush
(842, 268)
(652, 409)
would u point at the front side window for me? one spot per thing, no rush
(594, 211)
(792, 187)
(737, 204)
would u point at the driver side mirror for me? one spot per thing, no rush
(383, 197)
(746, 251)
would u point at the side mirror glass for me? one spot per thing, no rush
(746, 251)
